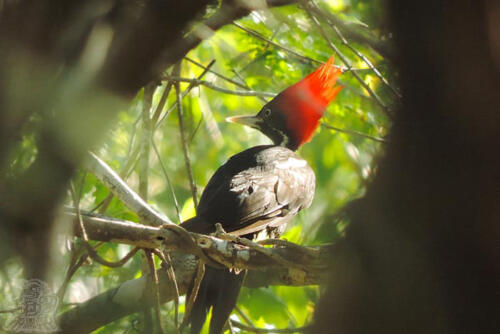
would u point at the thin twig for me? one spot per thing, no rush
(247, 87)
(154, 277)
(180, 115)
(96, 257)
(311, 60)
(252, 329)
(279, 46)
(185, 93)
(367, 62)
(290, 51)
(147, 101)
(314, 8)
(195, 131)
(197, 82)
(362, 36)
(132, 136)
(167, 261)
(354, 133)
(223, 77)
(200, 272)
(75, 263)
(161, 104)
(166, 258)
(236, 83)
(245, 317)
(347, 63)
(170, 186)
(274, 34)
(229, 326)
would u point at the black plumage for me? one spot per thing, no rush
(259, 189)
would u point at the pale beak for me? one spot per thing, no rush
(251, 121)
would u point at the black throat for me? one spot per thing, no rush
(279, 136)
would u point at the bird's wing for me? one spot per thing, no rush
(257, 188)
(265, 198)
(256, 195)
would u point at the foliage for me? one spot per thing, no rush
(343, 162)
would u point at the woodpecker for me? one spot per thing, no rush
(262, 188)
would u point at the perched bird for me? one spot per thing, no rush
(262, 188)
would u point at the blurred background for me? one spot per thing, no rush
(108, 76)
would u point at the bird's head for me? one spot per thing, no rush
(291, 118)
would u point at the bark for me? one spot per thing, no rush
(225, 250)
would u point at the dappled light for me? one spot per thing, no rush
(115, 115)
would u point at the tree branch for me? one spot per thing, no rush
(173, 237)
(121, 190)
(127, 297)
(227, 253)
(309, 267)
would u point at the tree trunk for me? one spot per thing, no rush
(421, 254)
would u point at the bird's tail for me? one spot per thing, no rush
(198, 225)
(218, 290)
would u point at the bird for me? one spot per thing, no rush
(261, 189)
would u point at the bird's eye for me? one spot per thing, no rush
(266, 112)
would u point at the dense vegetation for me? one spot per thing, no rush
(137, 86)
